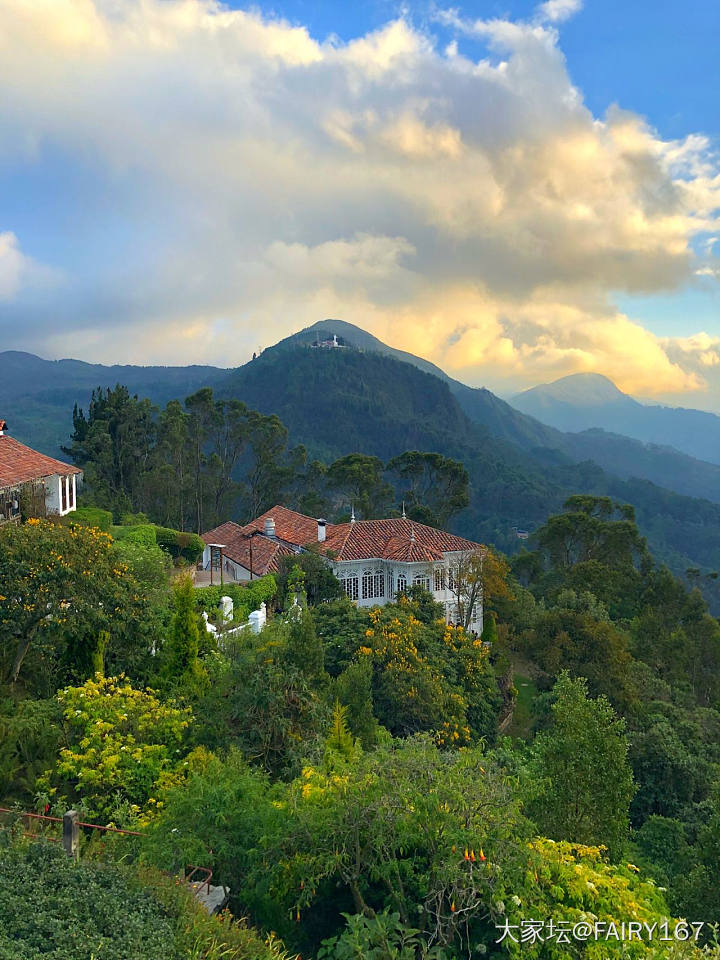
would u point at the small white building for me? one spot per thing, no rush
(373, 559)
(48, 484)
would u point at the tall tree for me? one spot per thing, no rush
(433, 487)
(584, 783)
(357, 479)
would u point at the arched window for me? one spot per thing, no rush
(401, 583)
(367, 585)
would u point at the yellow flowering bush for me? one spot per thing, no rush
(126, 746)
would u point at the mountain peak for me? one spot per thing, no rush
(578, 389)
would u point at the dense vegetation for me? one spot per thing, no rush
(362, 780)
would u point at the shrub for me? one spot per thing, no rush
(92, 517)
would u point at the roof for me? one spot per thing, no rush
(236, 546)
(21, 464)
(396, 538)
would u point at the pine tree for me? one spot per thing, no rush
(184, 642)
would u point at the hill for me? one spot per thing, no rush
(37, 396)
(584, 401)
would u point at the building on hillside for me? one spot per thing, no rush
(373, 559)
(31, 481)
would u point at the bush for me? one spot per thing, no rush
(92, 517)
(52, 908)
(189, 546)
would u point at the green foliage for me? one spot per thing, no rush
(319, 582)
(30, 738)
(124, 747)
(180, 653)
(354, 690)
(52, 569)
(92, 517)
(261, 701)
(52, 908)
(584, 782)
(245, 597)
(433, 487)
(381, 937)
(304, 649)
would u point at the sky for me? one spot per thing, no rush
(515, 190)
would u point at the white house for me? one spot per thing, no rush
(373, 559)
(49, 484)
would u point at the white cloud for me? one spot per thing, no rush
(472, 210)
(557, 11)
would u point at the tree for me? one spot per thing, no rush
(304, 648)
(433, 487)
(476, 578)
(61, 586)
(354, 690)
(181, 651)
(114, 445)
(584, 781)
(358, 479)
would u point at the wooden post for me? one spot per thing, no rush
(71, 834)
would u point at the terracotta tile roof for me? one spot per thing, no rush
(236, 542)
(394, 539)
(21, 464)
(290, 526)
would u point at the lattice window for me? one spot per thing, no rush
(401, 583)
(373, 584)
(419, 580)
(350, 586)
(439, 579)
(451, 578)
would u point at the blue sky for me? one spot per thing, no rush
(515, 190)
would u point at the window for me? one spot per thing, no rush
(439, 579)
(71, 492)
(373, 584)
(63, 494)
(451, 578)
(350, 586)
(401, 583)
(419, 580)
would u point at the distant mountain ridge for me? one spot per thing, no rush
(379, 400)
(586, 401)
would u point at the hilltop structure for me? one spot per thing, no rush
(373, 559)
(29, 480)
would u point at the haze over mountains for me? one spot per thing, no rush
(369, 397)
(584, 401)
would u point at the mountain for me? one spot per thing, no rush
(338, 400)
(37, 396)
(585, 401)
(616, 454)
(366, 396)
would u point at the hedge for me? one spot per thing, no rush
(52, 908)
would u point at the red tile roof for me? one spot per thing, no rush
(394, 539)
(236, 543)
(21, 464)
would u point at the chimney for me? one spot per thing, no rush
(3, 427)
(269, 527)
(321, 531)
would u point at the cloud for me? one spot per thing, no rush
(220, 178)
(557, 11)
(19, 272)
